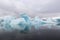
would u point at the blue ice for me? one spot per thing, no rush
(25, 23)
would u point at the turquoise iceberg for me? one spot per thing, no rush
(24, 23)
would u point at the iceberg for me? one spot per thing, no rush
(27, 20)
(18, 24)
(24, 23)
(57, 21)
(36, 22)
(5, 22)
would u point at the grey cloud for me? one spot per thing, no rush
(29, 6)
(53, 7)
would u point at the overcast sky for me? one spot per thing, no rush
(41, 7)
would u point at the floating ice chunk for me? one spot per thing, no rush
(28, 21)
(49, 22)
(36, 22)
(46, 22)
(5, 22)
(56, 20)
(18, 24)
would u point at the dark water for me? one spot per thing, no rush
(42, 34)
